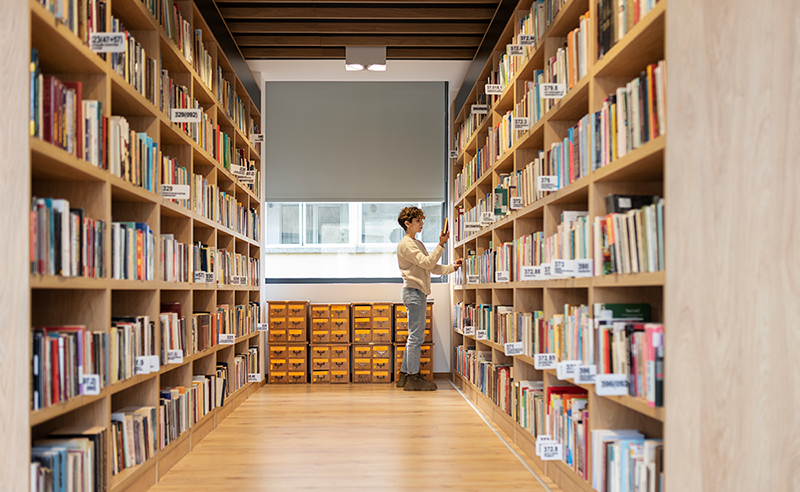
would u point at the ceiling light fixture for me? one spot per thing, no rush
(372, 58)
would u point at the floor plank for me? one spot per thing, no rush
(351, 437)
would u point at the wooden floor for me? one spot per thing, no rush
(351, 437)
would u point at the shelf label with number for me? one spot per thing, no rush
(469, 331)
(544, 361)
(563, 268)
(482, 334)
(471, 228)
(473, 279)
(237, 170)
(454, 154)
(175, 356)
(175, 191)
(527, 39)
(262, 326)
(155, 363)
(548, 183)
(479, 109)
(516, 203)
(567, 369)
(541, 440)
(199, 277)
(514, 348)
(552, 451)
(107, 42)
(586, 374)
(516, 50)
(547, 271)
(249, 177)
(256, 138)
(210, 278)
(583, 268)
(142, 365)
(526, 272)
(521, 124)
(611, 384)
(227, 338)
(90, 384)
(185, 115)
(254, 378)
(502, 277)
(494, 89)
(487, 218)
(553, 91)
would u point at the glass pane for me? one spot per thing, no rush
(433, 223)
(283, 223)
(327, 223)
(379, 222)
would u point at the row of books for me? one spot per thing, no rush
(244, 364)
(180, 31)
(203, 62)
(617, 18)
(70, 458)
(133, 156)
(132, 251)
(532, 105)
(472, 121)
(571, 62)
(174, 174)
(626, 461)
(63, 241)
(235, 216)
(473, 170)
(476, 269)
(630, 241)
(501, 137)
(135, 66)
(133, 437)
(82, 18)
(176, 260)
(241, 159)
(226, 95)
(470, 221)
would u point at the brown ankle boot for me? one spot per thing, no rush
(401, 379)
(416, 382)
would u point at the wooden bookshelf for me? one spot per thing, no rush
(639, 171)
(55, 173)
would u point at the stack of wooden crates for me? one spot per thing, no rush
(288, 342)
(330, 343)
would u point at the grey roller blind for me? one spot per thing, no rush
(355, 141)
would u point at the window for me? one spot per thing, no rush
(340, 240)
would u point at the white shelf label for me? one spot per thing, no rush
(567, 369)
(611, 384)
(209, 277)
(521, 124)
(176, 192)
(107, 42)
(238, 170)
(479, 109)
(553, 91)
(586, 374)
(544, 361)
(155, 363)
(541, 440)
(516, 50)
(552, 451)
(227, 338)
(262, 326)
(494, 89)
(454, 154)
(175, 356)
(516, 203)
(471, 228)
(583, 268)
(254, 378)
(90, 384)
(256, 138)
(249, 177)
(527, 39)
(547, 271)
(180, 115)
(482, 334)
(563, 268)
(142, 365)
(502, 277)
(469, 331)
(527, 273)
(514, 348)
(487, 218)
(199, 277)
(473, 279)
(548, 183)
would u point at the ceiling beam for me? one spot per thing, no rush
(334, 40)
(300, 27)
(264, 11)
(326, 52)
(490, 3)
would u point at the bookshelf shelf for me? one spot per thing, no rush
(638, 172)
(93, 302)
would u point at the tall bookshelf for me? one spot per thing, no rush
(93, 302)
(640, 171)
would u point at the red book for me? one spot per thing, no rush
(139, 250)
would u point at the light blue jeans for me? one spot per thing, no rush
(415, 301)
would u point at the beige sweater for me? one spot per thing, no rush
(416, 264)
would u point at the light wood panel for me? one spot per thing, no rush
(14, 261)
(364, 437)
(733, 377)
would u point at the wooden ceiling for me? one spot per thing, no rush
(319, 29)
